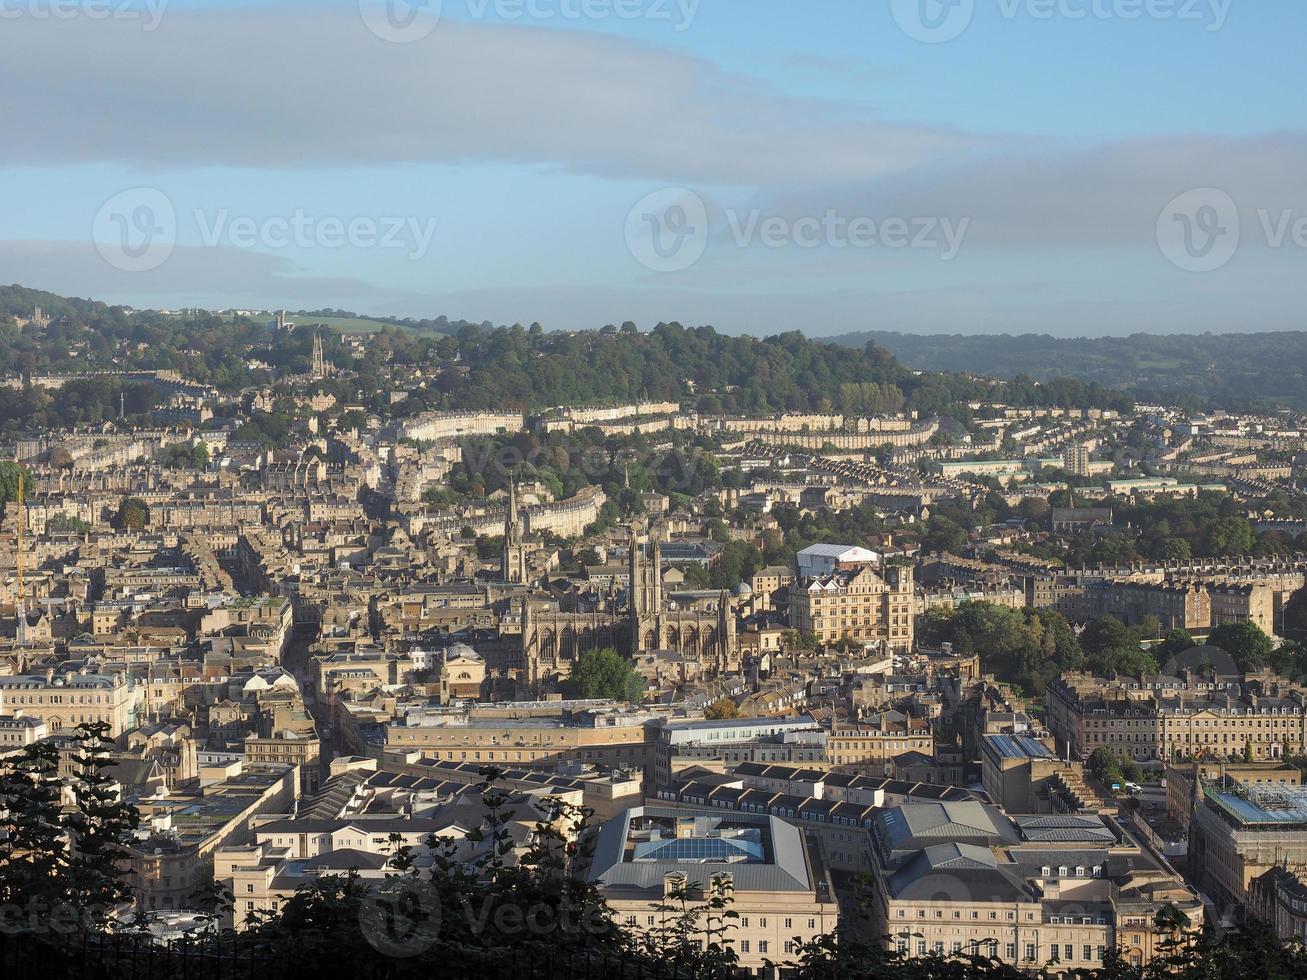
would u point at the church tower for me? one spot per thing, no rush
(512, 565)
(646, 601)
(319, 369)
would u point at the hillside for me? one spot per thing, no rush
(458, 365)
(1227, 370)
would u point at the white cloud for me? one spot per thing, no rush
(288, 90)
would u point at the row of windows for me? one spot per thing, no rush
(1059, 952)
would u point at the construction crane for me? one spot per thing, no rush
(20, 631)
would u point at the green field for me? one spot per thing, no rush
(346, 324)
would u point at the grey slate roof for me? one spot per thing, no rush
(958, 872)
(1070, 828)
(916, 826)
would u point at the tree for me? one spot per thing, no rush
(9, 473)
(1105, 633)
(722, 709)
(1177, 641)
(1105, 766)
(604, 673)
(133, 514)
(1025, 647)
(63, 522)
(59, 857)
(1245, 642)
(98, 823)
(1229, 536)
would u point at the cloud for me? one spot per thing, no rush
(192, 276)
(1078, 195)
(257, 88)
(1243, 297)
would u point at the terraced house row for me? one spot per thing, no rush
(1199, 715)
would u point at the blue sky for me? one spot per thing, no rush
(1062, 166)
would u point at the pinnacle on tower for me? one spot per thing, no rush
(319, 368)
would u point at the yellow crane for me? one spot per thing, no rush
(20, 631)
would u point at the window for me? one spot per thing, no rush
(744, 945)
(762, 947)
(1031, 953)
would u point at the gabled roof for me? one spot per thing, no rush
(916, 826)
(958, 871)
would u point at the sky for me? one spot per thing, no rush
(1071, 167)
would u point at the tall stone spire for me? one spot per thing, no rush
(513, 563)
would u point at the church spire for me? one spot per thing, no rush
(513, 564)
